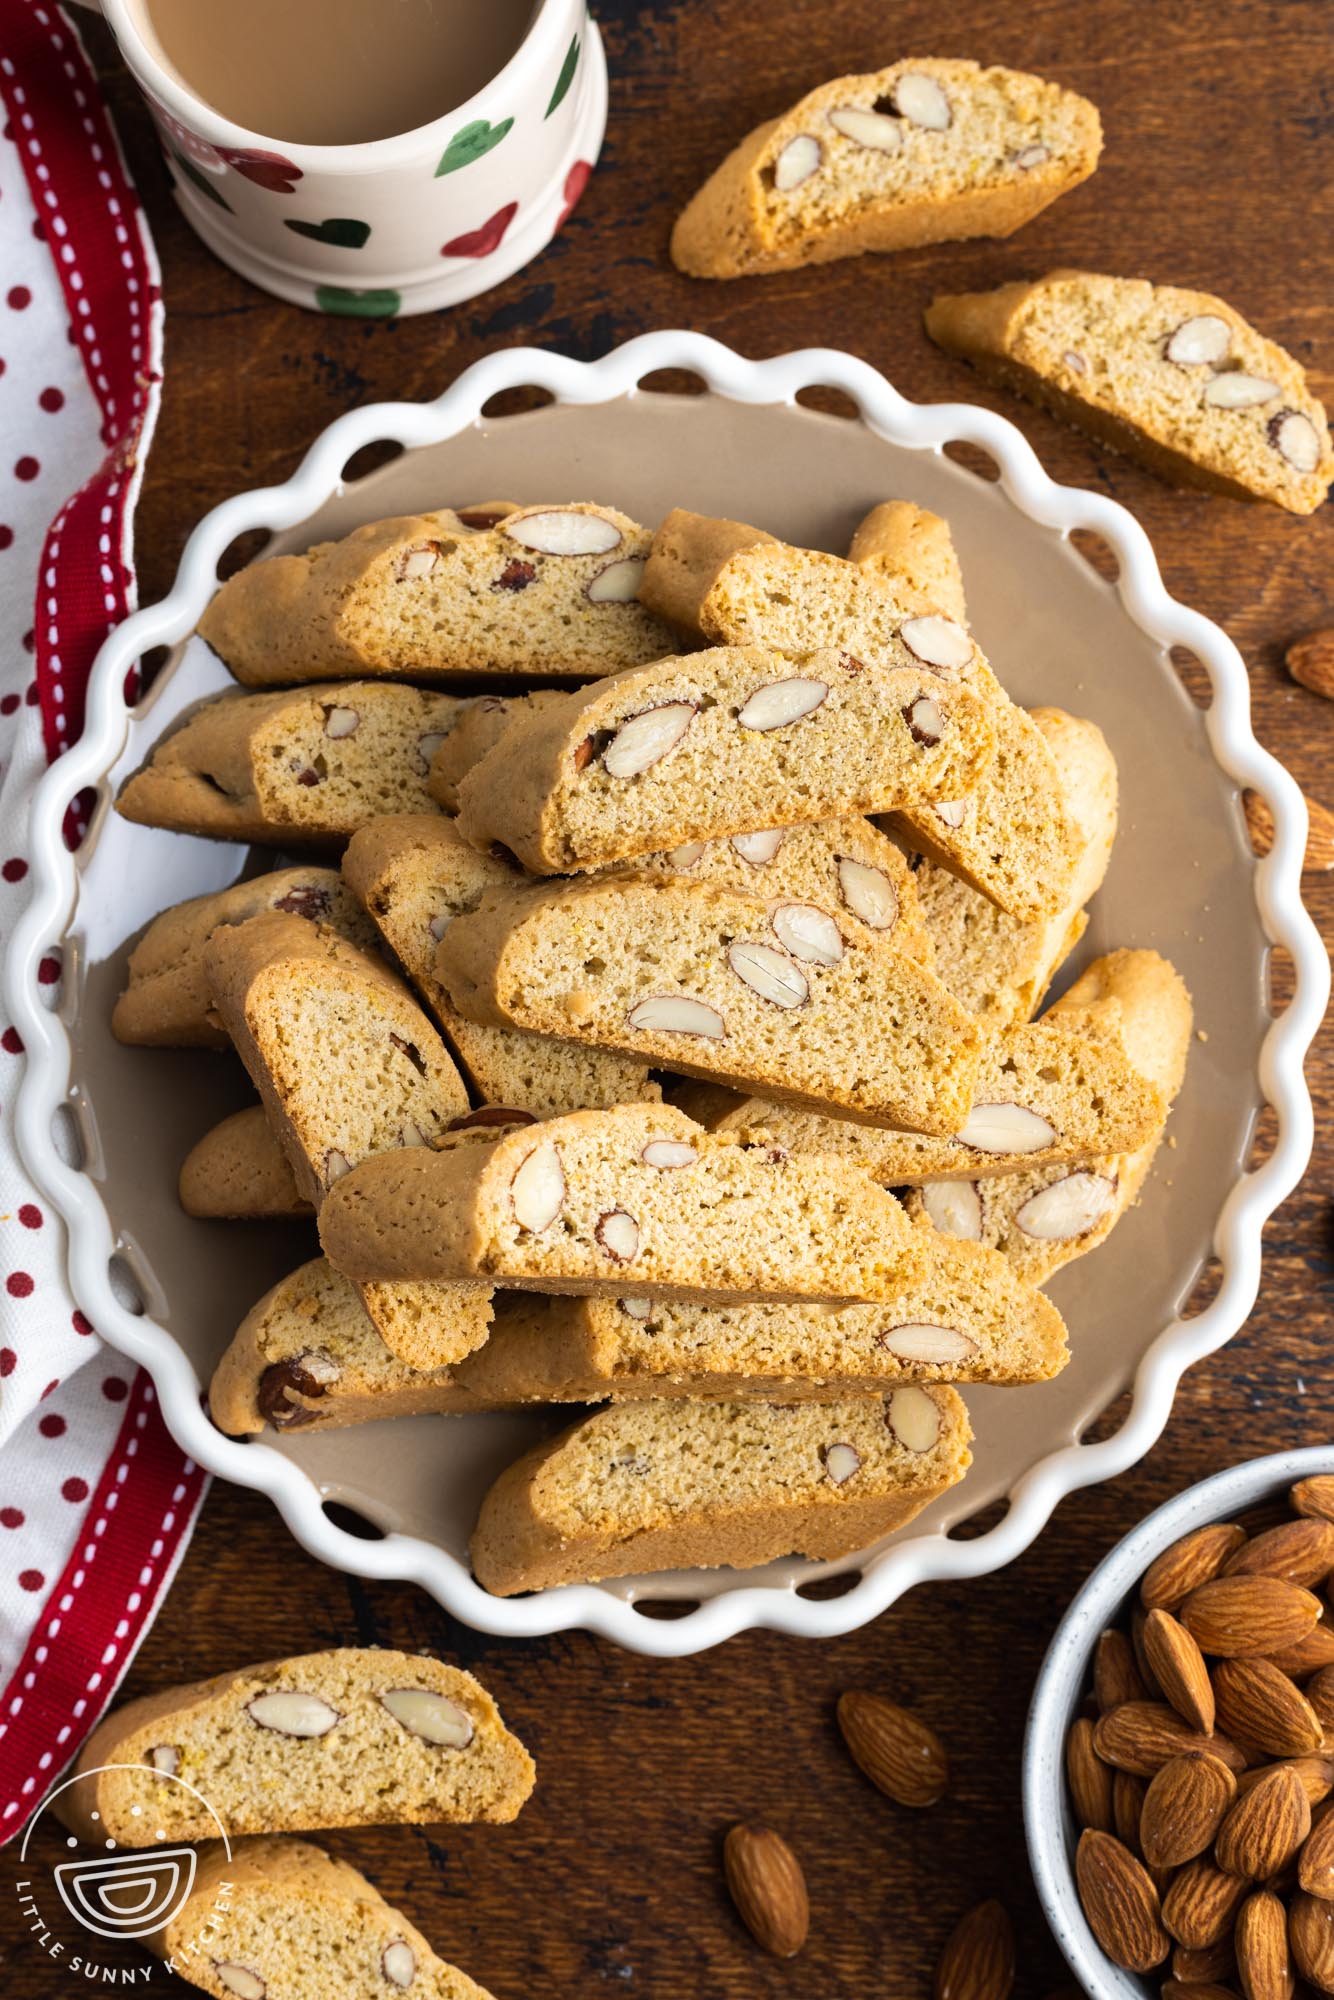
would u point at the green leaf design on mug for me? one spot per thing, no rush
(358, 305)
(566, 77)
(198, 179)
(469, 144)
(344, 232)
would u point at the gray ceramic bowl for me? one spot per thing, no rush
(1064, 1677)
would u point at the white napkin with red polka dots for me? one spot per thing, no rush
(96, 1502)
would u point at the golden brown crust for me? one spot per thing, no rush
(239, 1171)
(733, 226)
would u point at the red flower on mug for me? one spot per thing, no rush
(575, 182)
(481, 242)
(266, 170)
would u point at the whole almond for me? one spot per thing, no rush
(1261, 1706)
(1183, 1809)
(1314, 1497)
(1128, 1794)
(1120, 1903)
(1308, 1656)
(1179, 1669)
(1232, 1617)
(1264, 1964)
(897, 1751)
(1138, 1619)
(1298, 1551)
(1089, 1779)
(1311, 1936)
(1314, 1774)
(1213, 1964)
(1201, 1904)
(768, 1888)
(1195, 1559)
(1315, 1863)
(1115, 1675)
(1310, 660)
(1319, 855)
(978, 1960)
(1264, 1829)
(1140, 1736)
(1320, 1694)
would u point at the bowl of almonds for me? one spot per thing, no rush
(1179, 1761)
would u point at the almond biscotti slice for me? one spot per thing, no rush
(1176, 379)
(306, 1356)
(500, 589)
(927, 150)
(734, 585)
(671, 1485)
(999, 965)
(847, 860)
(351, 1737)
(479, 725)
(720, 742)
(166, 1002)
(414, 873)
(1061, 1089)
(312, 764)
(238, 1172)
(791, 998)
(344, 1059)
(346, 1064)
(1041, 1220)
(913, 552)
(283, 1919)
(637, 1198)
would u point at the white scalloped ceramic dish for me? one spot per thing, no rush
(1183, 879)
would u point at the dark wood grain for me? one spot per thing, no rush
(1219, 119)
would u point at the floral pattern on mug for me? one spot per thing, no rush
(566, 77)
(575, 182)
(358, 305)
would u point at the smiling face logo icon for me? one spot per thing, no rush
(127, 1895)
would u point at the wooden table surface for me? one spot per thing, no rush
(1218, 117)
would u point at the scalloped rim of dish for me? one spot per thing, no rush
(923, 427)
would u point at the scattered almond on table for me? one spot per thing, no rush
(978, 1960)
(1201, 1769)
(897, 1751)
(1319, 854)
(768, 1888)
(1310, 660)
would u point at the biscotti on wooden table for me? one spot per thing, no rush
(646, 1486)
(414, 873)
(927, 150)
(721, 742)
(637, 1199)
(790, 998)
(1175, 378)
(281, 1918)
(494, 589)
(352, 1737)
(166, 1002)
(307, 1355)
(309, 765)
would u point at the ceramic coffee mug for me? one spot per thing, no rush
(392, 225)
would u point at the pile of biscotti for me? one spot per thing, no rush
(666, 1038)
